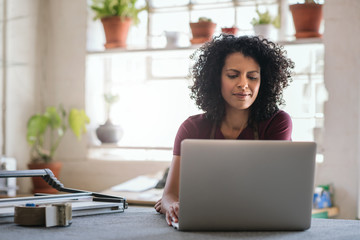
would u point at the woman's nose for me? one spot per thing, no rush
(242, 83)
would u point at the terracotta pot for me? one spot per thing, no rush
(231, 30)
(202, 31)
(40, 186)
(307, 19)
(116, 30)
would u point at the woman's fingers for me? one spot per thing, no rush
(168, 218)
(176, 209)
(157, 206)
(173, 212)
(171, 215)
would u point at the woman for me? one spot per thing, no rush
(238, 83)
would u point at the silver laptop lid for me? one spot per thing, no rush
(246, 185)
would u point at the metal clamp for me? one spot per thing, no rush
(50, 178)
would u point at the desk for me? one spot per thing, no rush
(145, 223)
(149, 198)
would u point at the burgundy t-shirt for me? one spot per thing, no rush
(278, 127)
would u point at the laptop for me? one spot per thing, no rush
(232, 185)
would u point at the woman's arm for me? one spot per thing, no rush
(169, 204)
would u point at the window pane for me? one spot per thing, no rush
(151, 113)
(303, 129)
(171, 64)
(137, 35)
(210, 1)
(144, 104)
(168, 3)
(172, 22)
(223, 17)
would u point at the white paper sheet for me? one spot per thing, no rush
(138, 184)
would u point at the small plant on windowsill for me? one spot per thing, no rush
(202, 30)
(45, 132)
(230, 30)
(110, 100)
(264, 23)
(307, 19)
(109, 132)
(264, 18)
(116, 17)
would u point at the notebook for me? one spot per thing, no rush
(232, 185)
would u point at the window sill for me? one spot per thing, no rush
(114, 152)
(195, 46)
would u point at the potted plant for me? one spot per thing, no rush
(44, 134)
(116, 17)
(264, 22)
(109, 132)
(202, 30)
(230, 30)
(307, 18)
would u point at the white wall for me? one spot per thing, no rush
(65, 56)
(342, 111)
(24, 56)
(2, 69)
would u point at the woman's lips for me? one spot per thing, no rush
(241, 95)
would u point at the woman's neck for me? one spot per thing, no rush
(234, 123)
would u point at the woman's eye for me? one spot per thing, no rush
(232, 76)
(252, 78)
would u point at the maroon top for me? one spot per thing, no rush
(278, 127)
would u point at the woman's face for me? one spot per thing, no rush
(240, 81)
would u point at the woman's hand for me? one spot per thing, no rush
(172, 214)
(169, 203)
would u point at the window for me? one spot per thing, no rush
(152, 83)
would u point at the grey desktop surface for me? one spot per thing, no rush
(145, 223)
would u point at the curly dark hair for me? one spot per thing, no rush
(206, 73)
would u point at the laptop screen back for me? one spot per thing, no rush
(246, 185)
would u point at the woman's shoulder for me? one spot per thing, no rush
(280, 116)
(196, 120)
(277, 127)
(194, 127)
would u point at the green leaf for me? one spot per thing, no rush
(111, 98)
(263, 18)
(121, 8)
(36, 127)
(77, 122)
(54, 117)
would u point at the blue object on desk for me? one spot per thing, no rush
(322, 198)
(30, 205)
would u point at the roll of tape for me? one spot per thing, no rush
(29, 216)
(44, 215)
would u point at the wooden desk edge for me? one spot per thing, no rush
(332, 211)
